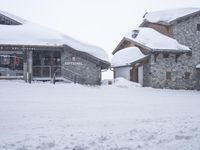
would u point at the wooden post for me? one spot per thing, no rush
(29, 66)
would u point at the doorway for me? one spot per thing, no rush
(45, 63)
(136, 74)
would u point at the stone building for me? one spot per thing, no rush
(31, 52)
(171, 44)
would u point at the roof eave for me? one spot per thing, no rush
(17, 22)
(117, 48)
(171, 51)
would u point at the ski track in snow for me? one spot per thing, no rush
(43, 116)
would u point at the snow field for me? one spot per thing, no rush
(123, 116)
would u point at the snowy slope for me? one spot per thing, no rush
(169, 15)
(44, 116)
(126, 56)
(155, 40)
(33, 34)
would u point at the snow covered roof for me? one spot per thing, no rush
(154, 40)
(33, 34)
(167, 16)
(126, 56)
(13, 17)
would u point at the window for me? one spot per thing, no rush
(187, 75)
(198, 27)
(168, 76)
(11, 65)
(5, 60)
(165, 55)
(189, 54)
(135, 33)
(73, 58)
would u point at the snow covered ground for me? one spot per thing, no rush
(124, 116)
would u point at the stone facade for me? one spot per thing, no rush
(85, 71)
(185, 32)
(182, 67)
(170, 72)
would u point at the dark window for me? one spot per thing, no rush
(135, 33)
(5, 59)
(168, 76)
(165, 55)
(189, 54)
(187, 75)
(11, 65)
(198, 27)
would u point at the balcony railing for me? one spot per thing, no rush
(55, 72)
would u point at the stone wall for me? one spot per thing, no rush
(186, 33)
(90, 72)
(147, 74)
(178, 68)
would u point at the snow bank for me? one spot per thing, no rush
(154, 40)
(123, 83)
(120, 82)
(126, 56)
(33, 34)
(169, 15)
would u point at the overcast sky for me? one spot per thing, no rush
(98, 22)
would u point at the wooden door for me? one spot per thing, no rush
(134, 74)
